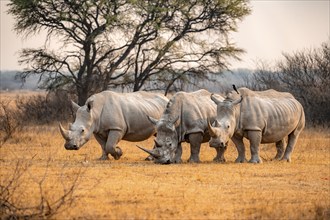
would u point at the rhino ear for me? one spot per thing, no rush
(74, 105)
(90, 105)
(215, 99)
(173, 120)
(152, 120)
(238, 101)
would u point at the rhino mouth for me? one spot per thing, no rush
(164, 162)
(71, 147)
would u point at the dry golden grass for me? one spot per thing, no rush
(131, 188)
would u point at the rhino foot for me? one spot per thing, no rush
(255, 160)
(194, 160)
(118, 154)
(240, 160)
(288, 159)
(104, 157)
(219, 159)
(277, 158)
(178, 160)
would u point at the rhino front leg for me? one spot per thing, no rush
(102, 141)
(195, 141)
(220, 154)
(114, 137)
(238, 141)
(178, 154)
(255, 139)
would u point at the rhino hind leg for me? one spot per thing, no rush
(292, 140)
(195, 140)
(255, 139)
(280, 149)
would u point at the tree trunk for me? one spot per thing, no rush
(82, 95)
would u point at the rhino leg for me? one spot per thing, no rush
(195, 141)
(238, 141)
(178, 154)
(292, 140)
(220, 154)
(102, 141)
(114, 137)
(255, 139)
(280, 149)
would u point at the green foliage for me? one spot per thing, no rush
(106, 42)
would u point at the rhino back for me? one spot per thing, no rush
(274, 113)
(127, 112)
(193, 110)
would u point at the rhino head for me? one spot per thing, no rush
(166, 141)
(224, 126)
(81, 130)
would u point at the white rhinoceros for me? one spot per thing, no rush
(262, 117)
(112, 117)
(184, 119)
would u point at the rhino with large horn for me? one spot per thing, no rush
(261, 117)
(184, 119)
(112, 117)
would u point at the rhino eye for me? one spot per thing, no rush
(82, 130)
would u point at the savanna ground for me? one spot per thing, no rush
(131, 188)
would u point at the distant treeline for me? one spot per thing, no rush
(9, 80)
(221, 82)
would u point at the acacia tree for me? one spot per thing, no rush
(126, 42)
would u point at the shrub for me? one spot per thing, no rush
(40, 109)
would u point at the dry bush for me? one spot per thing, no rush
(40, 109)
(9, 120)
(305, 74)
(11, 195)
(32, 109)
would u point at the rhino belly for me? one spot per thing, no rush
(139, 132)
(274, 134)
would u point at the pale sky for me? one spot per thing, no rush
(274, 26)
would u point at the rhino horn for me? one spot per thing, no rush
(64, 132)
(211, 129)
(74, 105)
(152, 153)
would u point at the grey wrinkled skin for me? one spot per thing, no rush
(261, 117)
(112, 117)
(184, 119)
